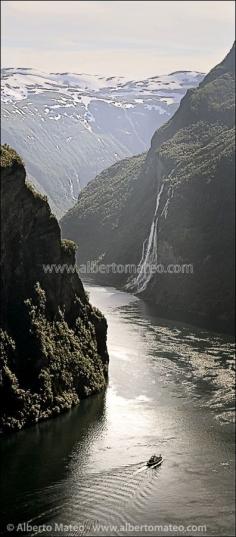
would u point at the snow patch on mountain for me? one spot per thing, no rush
(19, 83)
(68, 127)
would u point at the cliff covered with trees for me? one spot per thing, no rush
(53, 342)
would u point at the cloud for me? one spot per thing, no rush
(117, 37)
(113, 62)
(64, 8)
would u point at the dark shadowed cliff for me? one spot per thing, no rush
(178, 209)
(53, 341)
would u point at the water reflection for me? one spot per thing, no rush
(168, 383)
(39, 458)
(204, 361)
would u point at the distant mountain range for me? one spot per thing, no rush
(68, 127)
(173, 206)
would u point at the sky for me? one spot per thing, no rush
(136, 39)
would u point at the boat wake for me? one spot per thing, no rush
(142, 469)
(146, 467)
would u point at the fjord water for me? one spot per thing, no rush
(171, 390)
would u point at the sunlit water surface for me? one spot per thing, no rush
(171, 390)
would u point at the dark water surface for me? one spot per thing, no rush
(171, 390)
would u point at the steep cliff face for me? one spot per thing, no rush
(180, 210)
(192, 160)
(53, 342)
(196, 229)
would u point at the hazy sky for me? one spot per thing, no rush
(131, 38)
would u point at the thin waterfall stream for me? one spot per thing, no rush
(149, 253)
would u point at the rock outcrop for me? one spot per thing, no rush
(189, 170)
(53, 341)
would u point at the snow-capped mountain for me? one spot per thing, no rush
(68, 127)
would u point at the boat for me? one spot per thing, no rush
(154, 461)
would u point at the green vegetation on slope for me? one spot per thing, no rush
(9, 156)
(51, 367)
(109, 191)
(190, 148)
(102, 204)
(53, 342)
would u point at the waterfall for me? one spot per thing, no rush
(149, 254)
(170, 194)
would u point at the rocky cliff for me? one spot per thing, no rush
(53, 341)
(192, 160)
(179, 211)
